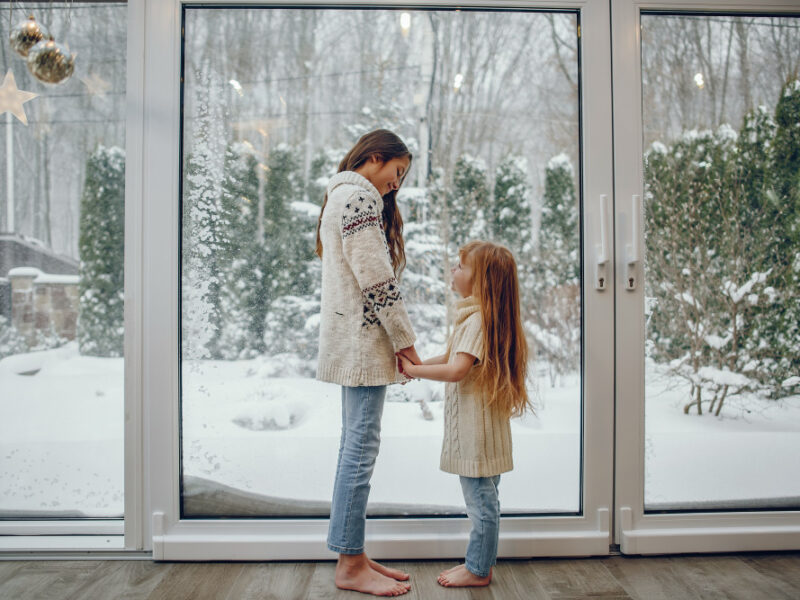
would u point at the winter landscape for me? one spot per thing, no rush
(272, 100)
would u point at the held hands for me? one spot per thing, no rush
(407, 357)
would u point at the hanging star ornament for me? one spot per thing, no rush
(12, 98)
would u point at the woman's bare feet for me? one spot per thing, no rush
(354, 572)
(460, 577)
(388, 571)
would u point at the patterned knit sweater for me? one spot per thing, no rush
(363, 320)
(477, 441)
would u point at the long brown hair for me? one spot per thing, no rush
(502, 373)
(385, 145)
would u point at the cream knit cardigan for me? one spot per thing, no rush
(477, 440)
(363, 321)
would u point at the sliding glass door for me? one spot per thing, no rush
(708, 308)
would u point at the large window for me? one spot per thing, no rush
(720, 113)
(273, 98)
(61, 267)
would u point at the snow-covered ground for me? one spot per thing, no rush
(61, 432)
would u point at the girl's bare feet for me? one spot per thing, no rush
(388, 571)
(460, 577)
(354, 572)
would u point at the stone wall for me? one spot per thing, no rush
(44, 304)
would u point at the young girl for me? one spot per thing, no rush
(485, 369)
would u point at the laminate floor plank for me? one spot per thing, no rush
(753, 576)
(7, 569)
(272, 581)
(577, 578)
(650, 578)
(48, 579)
(122, 580)
(197, 581)
(727, 577)
(782, 568)
(526, 584)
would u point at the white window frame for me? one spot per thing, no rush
(159, 525)
(85, 535)
(635, 531)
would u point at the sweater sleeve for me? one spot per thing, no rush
(470, 337)
(367, 254)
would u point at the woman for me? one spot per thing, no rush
(363, 325)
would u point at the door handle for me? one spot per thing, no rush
(632, 249)
(601, 249)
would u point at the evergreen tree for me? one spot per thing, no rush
(783, 331)
(552, 294)
(509, 215)
(324, 165)
(467, 204)
(240, 194)
(206, 220)
(101, 246)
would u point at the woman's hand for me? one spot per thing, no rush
(405, 365)
(411, 354)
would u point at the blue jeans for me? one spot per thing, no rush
(483, 509)
(362, 409)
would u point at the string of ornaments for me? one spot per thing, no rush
(47, 60)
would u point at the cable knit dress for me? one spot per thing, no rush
(477, 440)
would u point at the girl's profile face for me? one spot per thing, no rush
(461, 279)
(386, 176)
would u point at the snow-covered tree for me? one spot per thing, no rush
(509, 215)
(468, 201)
(205, 225)
(101, 244)
(552, 290)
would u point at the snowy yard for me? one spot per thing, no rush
(61, 431)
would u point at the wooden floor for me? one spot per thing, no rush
(746, 576)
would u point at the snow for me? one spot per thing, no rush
(560, 161)
(658, 148)
(308, 209)
(259, 426)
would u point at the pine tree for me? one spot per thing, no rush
(101, 246)
(468, 202)
(205, 226)
(553, 297)
(784, 330)
(509, 217)
(240, 195)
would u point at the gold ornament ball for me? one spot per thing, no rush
(25, 35)
(50, 62)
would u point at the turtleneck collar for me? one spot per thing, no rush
(353, 178)
(465, 307)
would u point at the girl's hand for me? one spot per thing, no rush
(405, 365)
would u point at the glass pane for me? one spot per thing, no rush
(61, 264)
(721, 112)
(273, 99)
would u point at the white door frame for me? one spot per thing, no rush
(177, 539)
(635, 531)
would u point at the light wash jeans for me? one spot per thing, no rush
(362, 409)
(483, 509)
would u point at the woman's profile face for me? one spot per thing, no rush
(386, 176)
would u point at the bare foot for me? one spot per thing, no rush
(388, 571)
(461, 577)
(353, 572)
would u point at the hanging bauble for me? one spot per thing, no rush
(50, 62)
(25, 35)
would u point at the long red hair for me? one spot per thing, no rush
(385, 145)
(502, 373)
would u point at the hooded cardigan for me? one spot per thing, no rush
(363, 319)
